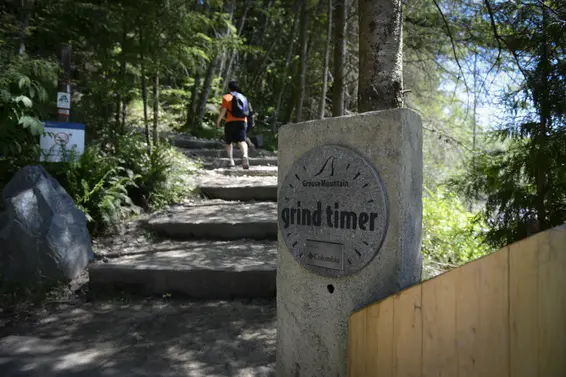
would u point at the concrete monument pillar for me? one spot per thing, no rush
(350, 220)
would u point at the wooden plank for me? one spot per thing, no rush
(379, 341)
(468, 318)
(493, 333)
(357, 344)
(552, 303)
(407, 332)
(439, 326)
(523, 307)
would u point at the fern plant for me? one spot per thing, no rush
(99, 186)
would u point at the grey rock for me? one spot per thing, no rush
(44, 235)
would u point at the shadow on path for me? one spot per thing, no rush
(150, 338)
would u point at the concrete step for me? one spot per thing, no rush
(186, 142)
(244, 188)
(253, 171)
(197, 269)
(216, 163)
(217, 220)
(220, 153)
(183, 140)
(241, 193)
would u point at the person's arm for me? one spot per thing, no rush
(221, 116)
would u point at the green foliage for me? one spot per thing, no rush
(110, 186)
(164, 175)
(189, 50)
(523, 184)
(451, 234)
(23, 83)
(506, 179)
(99, 186)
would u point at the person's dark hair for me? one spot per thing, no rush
(234, 87)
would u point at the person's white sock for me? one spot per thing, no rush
(229, 152)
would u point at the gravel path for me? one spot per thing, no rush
(142, 339)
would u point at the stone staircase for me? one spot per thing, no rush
(222, 246)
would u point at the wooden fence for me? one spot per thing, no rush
(503, 315)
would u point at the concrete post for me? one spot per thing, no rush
(350, 219)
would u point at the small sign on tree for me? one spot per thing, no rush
(63, 100)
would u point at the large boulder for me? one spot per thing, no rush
(43, 234)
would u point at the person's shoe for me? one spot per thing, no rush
(245, 163)
(232, 163)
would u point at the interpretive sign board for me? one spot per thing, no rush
(61, 140)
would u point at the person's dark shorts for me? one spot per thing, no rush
(234, 132)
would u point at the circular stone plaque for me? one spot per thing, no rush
(333, 211)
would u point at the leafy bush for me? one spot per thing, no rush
(22, 95)
(451, 234)
(164, 175)
(99, 186)
(511, 180)
(110, 186)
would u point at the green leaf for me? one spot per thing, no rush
(34, 125)
(25, 100)
(24, 81)
(5, 95)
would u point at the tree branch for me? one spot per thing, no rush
(500, 39)
(555, 14)
(451, 42)
(493, 27)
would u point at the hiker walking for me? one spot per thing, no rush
(235, 106)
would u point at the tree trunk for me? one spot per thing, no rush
(259, 32)
(206, 88)
(224, 53)
(351, 66)
(144, 93)
(540, 138)
(227, 77)
(118, 106)
(281, 88)
(124, 114)
(25, 9)
(155, 108)
(64, 84)
(340, 15)
(381, 55)
(290, 110)
(326, 59)
(300, 96)
(192, 107)
(121, 82)
(222, 61)
(211, 71)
